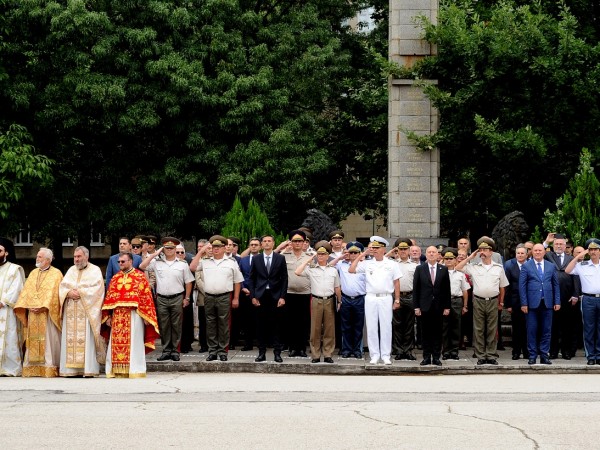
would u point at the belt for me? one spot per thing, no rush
(321, 298)
(171, 296)
(485, 298)
(405, 293)
(352, 297)
(218, 295)
(382, 295)
(591, 295)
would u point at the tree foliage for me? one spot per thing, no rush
(21, 169)
(247, 223)
(519, 84)
(577, 213)
(158, 113)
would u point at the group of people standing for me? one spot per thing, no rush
(293, 295)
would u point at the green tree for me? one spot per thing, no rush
(21, 170)
(518, 98)
(158, 113)
(247, 223)
(577, 213)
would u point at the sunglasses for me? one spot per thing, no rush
(354, 253)
(297, 240)
(180, 253)
(123, 261)
(136, 246)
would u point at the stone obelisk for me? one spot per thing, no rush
(414, 175)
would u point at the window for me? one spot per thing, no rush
(23, 238)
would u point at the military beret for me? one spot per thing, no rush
(486, 242)
(402, 243)
(592, 243)
(378, 241)
(355, 246)
(170, 242)
(336, 234)
(218, 241)
(300, 233)
(450, 253)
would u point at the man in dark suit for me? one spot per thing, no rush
(247, 310)
(512, 301)
(565, 321)
(431, 298)
(540, 294)
(267, 285)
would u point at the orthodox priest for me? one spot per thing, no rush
(38, 309)
(81, 293)
(129, 313)
(12, 278)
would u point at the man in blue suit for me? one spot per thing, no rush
(540, 294)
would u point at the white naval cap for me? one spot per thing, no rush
(378, 241)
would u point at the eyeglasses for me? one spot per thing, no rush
(180, 253)
(136, 246)
(123, 261)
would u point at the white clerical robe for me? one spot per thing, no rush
(137, 358)
(12, 278)
(82, 348)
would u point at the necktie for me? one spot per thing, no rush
(540, 272)
(268, 264)
(432, 268)
(561, 256)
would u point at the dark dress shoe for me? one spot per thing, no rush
(293, 353)
(525, 355)
(598, 362)
(500, 347)
(531, 361)
(328, 360)
(436, 362)
(246, 348)
(553, 355)
(211, 358)
(410, 356)
(515, 357)
(445, 357)
(277, 359)
(260, 358)
(203, 350)
(315, 360)
(345, 355)
(591, 362)
(358, 356)
(223, 357)
(454, 356)
(426, 362)
(481, 362)
(566, 356)
(399, 356)
(493, 362)
(175, 356)
(164, 357)
(302, 354)
(545, 360)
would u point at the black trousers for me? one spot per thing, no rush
(519, 332)
(270, 323)
(297, 312)
(187, 328)
(431, 326)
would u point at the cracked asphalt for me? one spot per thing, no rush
(280, 411)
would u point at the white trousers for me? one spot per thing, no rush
(378, 316)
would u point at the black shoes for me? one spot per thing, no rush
(315, 360)
(515, 357)
(211, 358)
(302, 354)
(436, 362)
(345, 355)
(246, 348)
(278, 359)
(531, 361)
(175, 356)
(293, 353)
(566, 356)
(203, 350)
(481, 362)
(545, 360)
(260, 358)
(164, 357)
(591, 362)
(426, 362)
(493, 362)
(328, 360)
(223, 357)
